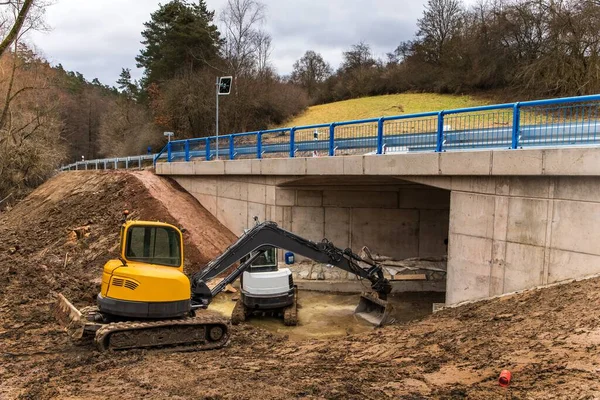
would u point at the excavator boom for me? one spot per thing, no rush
(266, 235)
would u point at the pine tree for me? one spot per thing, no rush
(127, 85)
(179, 36)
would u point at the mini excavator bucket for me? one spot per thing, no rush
(374, 310)
(69, 317)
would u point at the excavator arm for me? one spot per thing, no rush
(266, 235)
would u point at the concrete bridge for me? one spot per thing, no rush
(513, 219)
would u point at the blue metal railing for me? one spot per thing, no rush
(553, 122)
(556, 122)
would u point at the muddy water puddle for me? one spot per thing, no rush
(327, 315)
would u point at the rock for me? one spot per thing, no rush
(503, 317)
(78, 233)
(72, 237)
(303, 274)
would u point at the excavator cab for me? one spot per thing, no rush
(147, 280)
(265, 262)
(151, 244)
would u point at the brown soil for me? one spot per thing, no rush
(202, 228)
(549, 339)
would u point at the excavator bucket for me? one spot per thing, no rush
(374, 310)
(69, 317)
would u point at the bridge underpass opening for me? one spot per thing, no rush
(392, 217)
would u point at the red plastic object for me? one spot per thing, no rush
(504, 379)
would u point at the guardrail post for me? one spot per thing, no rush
(259, 145)
(231, 147)
(126, 163)
(440, 133)
(187, 150)
(116, 163)
(380, 135)
(292, 142)
(140, 162)
(207, 149)
(169, 155)
(332, 139)
(516, 125)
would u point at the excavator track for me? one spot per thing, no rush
(189, 334)
(290, 314)
(238, 315)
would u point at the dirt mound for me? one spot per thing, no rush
(549, 339)
(59, 237)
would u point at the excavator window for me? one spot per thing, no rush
(265, 262)
(153, 245)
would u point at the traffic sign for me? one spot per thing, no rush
(225, 85)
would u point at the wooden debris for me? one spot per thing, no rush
(409, 277)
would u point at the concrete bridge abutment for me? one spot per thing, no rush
(512, 233)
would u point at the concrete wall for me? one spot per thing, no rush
(509, 234)
(400, 220)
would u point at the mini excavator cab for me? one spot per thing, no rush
(152, 244)
(265, 262)
(147, 280)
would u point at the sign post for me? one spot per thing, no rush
(223, 89)
(169, 135)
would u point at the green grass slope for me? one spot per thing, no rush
(381, 106)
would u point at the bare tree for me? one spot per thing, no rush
(440, 22)
(30, 19)
(262, 44)
(19, 10)
(310, 71)
(30, 126)
(30, 141)
(241, 20)
(359, 56)
(126, 128)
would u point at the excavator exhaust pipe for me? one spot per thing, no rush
(69, 317)
(374, 310)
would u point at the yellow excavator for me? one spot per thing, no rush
(146, 300)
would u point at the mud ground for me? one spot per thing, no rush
(549, 339)
(331, 315)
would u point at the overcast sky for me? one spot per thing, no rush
(98, 38)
